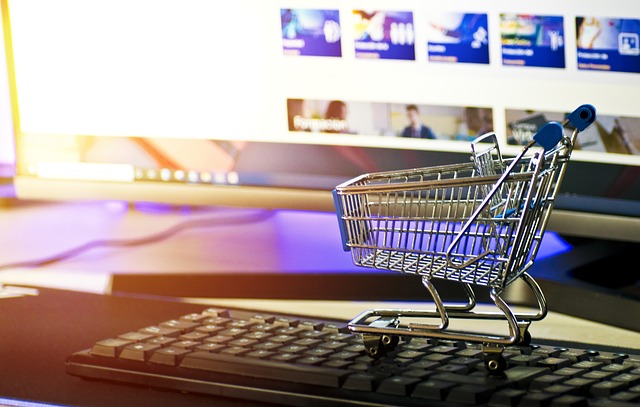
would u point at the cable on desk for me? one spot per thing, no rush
(156, 237)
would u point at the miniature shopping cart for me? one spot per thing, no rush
(478, 223)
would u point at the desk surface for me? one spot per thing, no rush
(39, 332)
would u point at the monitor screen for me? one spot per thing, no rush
(273, 103)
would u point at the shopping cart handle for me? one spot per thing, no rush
(582, 117)
(549, 135)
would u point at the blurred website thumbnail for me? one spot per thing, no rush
(412, 120)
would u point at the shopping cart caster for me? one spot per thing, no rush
(495, 363)
(526, 338)
(376, 346)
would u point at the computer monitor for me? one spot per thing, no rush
(272, 104)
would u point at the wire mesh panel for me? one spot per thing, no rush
(462, 222)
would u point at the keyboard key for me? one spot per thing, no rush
(285, 357)
(419, 373)
(209, 329)
(525, 360)
(109, 347)
(424, 364)
(398, 385)
(163, 341)
(545, 352)
(446, 350)
(569, 400)
(480, 380)
(558, 389)
(470, 353)
(626, 396)
(541, 382)
(554, 363)
(344, 355)
(607, 388)
(194, 336)
(219, 321)
(168, 356)
(432, 390)
(588, 365)
(617, 368)
(136, 336)
(598, 375)
(195, 317)
(262, 319)
(417, 344)
(521, 376)
(440, 358)
(506, 398)
(610, 403)
(241, 324)
(209, 347)
(337, 363)
(364, 381)
(538, 399)
(161, 331)
(216, 312)
(609, 358)
(307, 342)
(575, 355)
(138, 351)
(628, 378)
(569, 372)
(466, 361)
(337, 328)
(182, 326)
(452, 368)
(235, 351)
(185, 344)
(410, 354)
(233, 332)
(286, 322)
(333, 345)
(580, 384)
(469, 394)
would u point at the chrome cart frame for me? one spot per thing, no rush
(478, 223)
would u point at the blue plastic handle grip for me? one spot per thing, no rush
(341, 225)
(582, 117)
(549, 135)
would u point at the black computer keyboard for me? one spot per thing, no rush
(294, 360)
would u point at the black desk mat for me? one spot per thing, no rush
(38, 333)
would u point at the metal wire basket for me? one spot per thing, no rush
(478, 223)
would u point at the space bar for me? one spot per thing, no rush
(264, 369)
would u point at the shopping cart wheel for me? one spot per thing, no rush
(377, 345)
(526, 338)
(495, 363)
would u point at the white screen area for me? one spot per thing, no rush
(206, 70)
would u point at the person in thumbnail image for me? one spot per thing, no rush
(297, 109)
(415, 128)
(336, 117)
(589, 30)
(478, 121)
